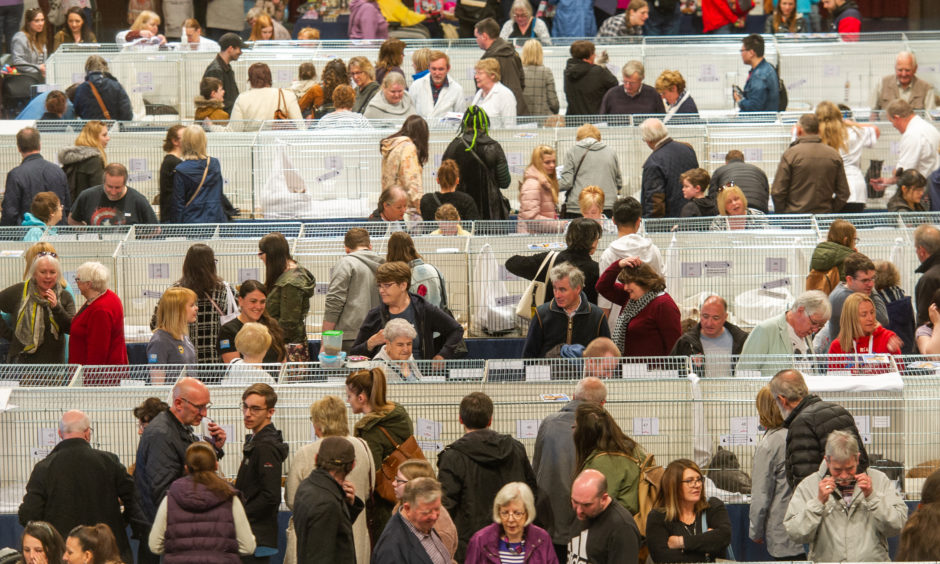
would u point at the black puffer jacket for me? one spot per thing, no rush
(472, 470)
(585, 86)
(473, 177)
(808, 426)
(259, 480)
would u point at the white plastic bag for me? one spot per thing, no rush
(493, 313)
(285, 193)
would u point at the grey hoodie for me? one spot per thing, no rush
(379, 108)
(353, 291)
(600, 167)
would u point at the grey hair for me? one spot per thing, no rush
(653, 131)
(591, 389)
(841, 446)
(927, 237)
(907, 54)
(421, 490)
(813, 302)
(521, 5)
(634, 67)
(96, 63)
(35, 265)
(392, 79)
(569, 271)
(511, 492)
(95, 273)
(790, 384)
(75, 425)
(399, 327)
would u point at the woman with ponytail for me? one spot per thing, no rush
(202, 518)
(91, 544)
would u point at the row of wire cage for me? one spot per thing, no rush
(671, 406)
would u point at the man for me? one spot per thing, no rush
(230, 46)
(712, 337)
(585, 82)
(808, 420)
(473, 468)
(510, 65)
(33, 175)
(409, 537)
(161, 453)
(788, 334)
(917, 148)
(601, 359)
(76, 484)
(326, 505)
(554, 463)
(101, 96)
(661, 189)
(259, 476)
(439, 335)
(927, 249)
(437, 94)
(363, 74)
(749, 178)
(859, 277)
(608, 532)
(844, 18)
(628, 216)
(904, 85)
(811, 176)
(633, 97)
(762, 90)
(353, 291)
(846, 515)
(568, 319)
(113, 203)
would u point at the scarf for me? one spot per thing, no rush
(629, 311)
(30, 321)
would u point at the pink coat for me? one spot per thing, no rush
(536, 202)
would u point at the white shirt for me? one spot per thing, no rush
(859, 138)
(918, 147)
(499, 105)
(205, 45)
(450, 99)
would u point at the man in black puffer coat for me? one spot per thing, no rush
(809, 420)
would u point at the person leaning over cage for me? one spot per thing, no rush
(788, 335)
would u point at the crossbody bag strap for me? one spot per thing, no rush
(396, 445)
(548, 257)
(443, 288)
(575, 177)
(201, 182)
(104, 109)
(280, 101)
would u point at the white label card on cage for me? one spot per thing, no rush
(691, 269)
(466, 374)
(744, 425)
(48, 437)
(152, 294)
(70, 278)
(863, 423)
(40, 453)
(866, 438)
(322, 288)
(880, 421)
(778, 283)
(11, 253)
(431, 446)
(283, 75)
(328, 175)
(145, 77)
(635, 370)
(753, 154)
(509, 300)
(775, 264)
(158, 270)
(247, 274)
(708, 73)
(831, 71)
(736, 440)
(527, 428)
(333, 162)
(646, 426)
(428, 429)
(504, 274)
(717, 267)
(538, 373)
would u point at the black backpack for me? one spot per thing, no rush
(782, 99)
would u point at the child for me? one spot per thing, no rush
(694, 184)
(210, 101)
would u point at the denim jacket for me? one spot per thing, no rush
(761, 92)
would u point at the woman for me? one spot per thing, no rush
(197, 183)
(252, 299)
(919, 539)
(87, 544)
(170, 343)
(334, 75)
(393, 102)
(261, 101)
(493, 96)
(785, 19)
(262, 29)
(42, 314)
(146, 29)
(849, 138)
(76, 29)
(97, 336)
(512, 537)
(830, 254)
(210, 104)
(307, 80)
(174, 156)
(426, 280)
(328, 416)
(522, 24)
(41, 543)
(538, 194)
(290, 287)
(590, 162)
(391, 56)
(146, 411)
(481, 162)
(581, 239)
(601, 445)
(626, 23)
(395, 357)
(404, 154)
(44, 213)
(366, 20)
(363, 76)
(365, 394)
(29, 44)
(671, 86)
(685, 527)
(539, 93)
(928, 340)
(649, 323)
(910, 193)
(84, 162)
(413, 469)
(900, 309)
(860, 334)
(201, 514)
(732, 205)
(770, 491)
(448, 177)
(342, 116)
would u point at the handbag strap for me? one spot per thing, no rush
(391, 440)
(443, 288)
(280, 101)
(104, 109)
(201, 182)
(576, 169)
(551, 265)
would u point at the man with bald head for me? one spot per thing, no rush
(161, 453)
(608, 532)
(904, 85)
(76, 484)
(712, 337)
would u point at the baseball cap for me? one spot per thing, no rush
(231, 40)
(336, 450)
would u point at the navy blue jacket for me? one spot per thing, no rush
(661, 173)
(398, 545)
(549, 327)
(34, 175)
(429, 319)
(207, 206)
(112, 94)
(762, 90)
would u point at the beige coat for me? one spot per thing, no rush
(400, 167)
(259, 104)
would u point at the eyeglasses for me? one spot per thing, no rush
(728, 185)
(506, 514)
(198, 407)
(816, 324)
(387, 285)
(694, 481)
(255, 409)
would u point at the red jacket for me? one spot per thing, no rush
(879, 345)
(97, 335)
(653, 331)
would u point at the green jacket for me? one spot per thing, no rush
(622, 473)
(289, 302)
(828, 254)
(398, 424)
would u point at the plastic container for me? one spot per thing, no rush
(331, 343)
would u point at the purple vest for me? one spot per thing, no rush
(200, 526)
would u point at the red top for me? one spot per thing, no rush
(97, 336)
(878, 342)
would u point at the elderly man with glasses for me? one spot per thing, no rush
(787, 336)
(161, 454)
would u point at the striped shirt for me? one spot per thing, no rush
(431, 543)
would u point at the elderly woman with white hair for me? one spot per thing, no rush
(494, 97)
(400, 336)
(392, 102)
(42, 313)
(524, 24)
(97, 335)
(512, 537)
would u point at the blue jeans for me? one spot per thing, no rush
(10, 23)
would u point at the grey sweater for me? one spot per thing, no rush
(353, 291)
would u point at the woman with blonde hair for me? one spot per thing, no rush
(170, 342)
(861, 334)
(28, 46)
(328, 416)
(197, 183)
(539, 92)
(84, 162)
(145, 27)
(671, 86)
(770, 491)
(591, 162)
(492, 96)
(538, 193)
(732, 205)
(849, 138)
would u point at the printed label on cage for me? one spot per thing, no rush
(796, 84)
(140, 177)
(775, 264)
(753, 154)
(778, 283)
(328, 175)
(708, 73)
(895, 148)
(744, 425)
(283, 75)
(717, 268)
(831, 71)
(527, 428)
(70, 278)
(158, 271)
(737, 440)
(526, 135)
(145, 77)
(880, 421)
(647, 426)
(516, 169)
(508, 300)
(438, 159)
(142, 88)
(634, 370)
(48, 437)
(691, 269)
(333, 162)
(152, 294)
(553, 246)
(514, 159)
(428, 429)
(247, 274)
(40, 453)
(322, 288)
(466, 374)
(507, 365)
(504, 274)
(431, 446)
(555, 397)
(137, 164)
(538, 373)
(863, 423)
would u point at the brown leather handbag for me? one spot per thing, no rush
(385, 477)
